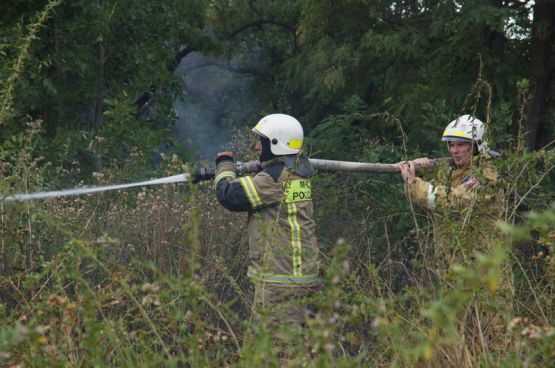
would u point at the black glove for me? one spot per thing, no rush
(203, 174)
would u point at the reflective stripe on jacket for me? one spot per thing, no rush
(283, 247)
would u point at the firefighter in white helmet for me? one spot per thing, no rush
(469, 169)
(283, 247)
(463, 202)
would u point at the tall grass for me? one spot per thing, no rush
(156, 277)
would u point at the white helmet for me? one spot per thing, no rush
(466, 129)
(284, 132)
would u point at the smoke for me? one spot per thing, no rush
(216, 100)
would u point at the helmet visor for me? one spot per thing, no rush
(257, 132)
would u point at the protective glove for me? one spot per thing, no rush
(203, 174)
(224, 156)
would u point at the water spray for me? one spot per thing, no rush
(86, 190)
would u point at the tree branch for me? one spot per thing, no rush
(143, 99)
(227, 67)
(259, 24)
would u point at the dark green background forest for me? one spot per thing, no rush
(108, 68)
(103, 92)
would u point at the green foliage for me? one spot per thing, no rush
(170, 289)
(416, 61)
(156, 277)
(86, 65)
(339, 136)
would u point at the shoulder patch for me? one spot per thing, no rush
(275, 171)
(470, 182)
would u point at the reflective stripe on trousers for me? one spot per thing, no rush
(283, 279)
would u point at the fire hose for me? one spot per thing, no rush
(242, 168)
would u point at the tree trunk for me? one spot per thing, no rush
(99, 88)
(496, 38)
(540, 68)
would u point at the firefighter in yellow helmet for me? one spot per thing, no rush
(283, 247)
(469, 170)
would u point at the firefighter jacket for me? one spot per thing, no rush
(457, 189)
(283, 247)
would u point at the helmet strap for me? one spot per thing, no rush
(475, 149)
(266, 154)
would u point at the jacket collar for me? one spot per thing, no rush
(272, 162)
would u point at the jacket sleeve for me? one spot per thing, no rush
(229, 191)
(423, 193)
(248, 193)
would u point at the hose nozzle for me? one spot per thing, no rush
(242, 168)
